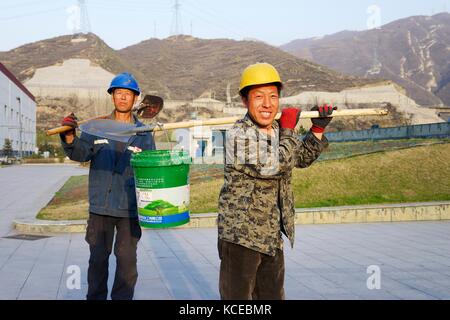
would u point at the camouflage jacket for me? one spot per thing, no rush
(256, 202)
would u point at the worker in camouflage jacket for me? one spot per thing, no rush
(256, 202)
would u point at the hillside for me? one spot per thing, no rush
(24, 60)
(409, 175)
(180, 67)
(414, 52)
(188, 67)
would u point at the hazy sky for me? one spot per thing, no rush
(123, 23)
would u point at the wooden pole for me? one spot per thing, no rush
(303, 115)
(231, 120)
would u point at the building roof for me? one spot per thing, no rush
(16, 81)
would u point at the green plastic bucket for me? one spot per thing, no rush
(162, 187)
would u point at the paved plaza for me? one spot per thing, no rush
(28, 188)
(411, 260)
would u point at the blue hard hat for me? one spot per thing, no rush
(124, 80)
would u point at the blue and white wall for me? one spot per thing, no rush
(17, 105)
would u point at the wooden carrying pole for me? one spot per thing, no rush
(231, 120)
(303, 115)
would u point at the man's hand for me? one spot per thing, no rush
(71, 121)
(289, 117)
(319, 124)
(134, 149)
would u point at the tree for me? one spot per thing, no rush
(7, 148)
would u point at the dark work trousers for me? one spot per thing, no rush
(247, 274)
(99, 235)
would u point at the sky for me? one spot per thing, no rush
(124, 23)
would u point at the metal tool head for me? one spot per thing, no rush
(113, 130)
(149, 107)
(106, 128)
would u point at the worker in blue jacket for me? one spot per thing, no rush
(112, 197)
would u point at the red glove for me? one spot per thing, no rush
(319, 124)
(289, 117)
(71, 121)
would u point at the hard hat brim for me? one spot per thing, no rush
(111, 90)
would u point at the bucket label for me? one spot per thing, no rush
(149, 182)
(156, 199)
(163, 206)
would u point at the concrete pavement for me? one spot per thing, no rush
(328, 262)
(410, 260)
(25, 189)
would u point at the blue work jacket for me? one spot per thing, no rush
(111, 179)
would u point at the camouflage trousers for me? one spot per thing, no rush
(246, 274)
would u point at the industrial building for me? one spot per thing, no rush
(17, 114)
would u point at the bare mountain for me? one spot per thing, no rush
(414, 52)
(24, 60)
(180, 67)
(188, 66)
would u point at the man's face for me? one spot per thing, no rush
(152, 110)
(123, 100)
(262, 103)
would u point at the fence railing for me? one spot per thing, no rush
(432, 130)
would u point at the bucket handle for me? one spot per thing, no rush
(160, 125)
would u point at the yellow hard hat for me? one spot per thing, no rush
(259, 73)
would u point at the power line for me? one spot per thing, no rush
(131, 3)
(35, 13)
(236, 28)
(21, 5)
(105, 7)
(211, 23)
